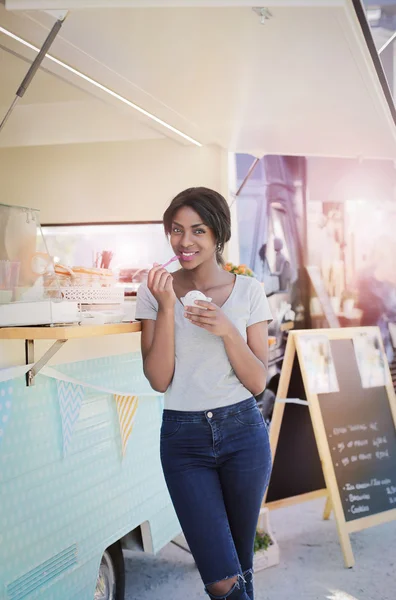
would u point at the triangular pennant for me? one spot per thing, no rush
(126, 408)
(70, 398)
(6, 393)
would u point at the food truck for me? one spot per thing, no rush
(132, 102)
(295, 214)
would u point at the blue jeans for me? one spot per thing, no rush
(217, 466)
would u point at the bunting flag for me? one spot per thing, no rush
(6, 392)
(71, 392)
(70, 398)
(126, 408)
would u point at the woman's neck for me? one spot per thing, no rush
(207, 275)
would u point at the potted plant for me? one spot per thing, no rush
(266, 549)
(238, 269)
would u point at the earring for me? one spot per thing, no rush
(218, 247)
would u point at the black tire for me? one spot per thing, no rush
(112, 569)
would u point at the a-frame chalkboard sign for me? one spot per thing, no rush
(333, 430)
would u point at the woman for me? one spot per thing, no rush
(210, 360)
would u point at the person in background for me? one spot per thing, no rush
(210, 360)
(265, 270)
(377, 295)
(282, 265)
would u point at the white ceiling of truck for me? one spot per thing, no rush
(304, 82)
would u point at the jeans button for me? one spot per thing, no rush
(210, 415)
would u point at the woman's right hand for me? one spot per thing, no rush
(160, 284)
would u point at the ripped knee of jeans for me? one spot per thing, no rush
(248, 576)
(236, 591)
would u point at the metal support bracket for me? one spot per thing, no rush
(29, 353)
(34, 67)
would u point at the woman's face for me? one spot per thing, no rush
(191, 239)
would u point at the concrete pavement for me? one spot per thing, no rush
(311, 566)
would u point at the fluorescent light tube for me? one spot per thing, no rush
(103, 88)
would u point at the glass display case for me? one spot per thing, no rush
(128, 249)
(30, 289)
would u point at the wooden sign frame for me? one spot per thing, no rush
(333, 502)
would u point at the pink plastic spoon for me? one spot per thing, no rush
(170, 261)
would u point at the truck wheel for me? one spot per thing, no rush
(110, 584)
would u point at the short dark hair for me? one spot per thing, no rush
(211, 207)
(263, 252)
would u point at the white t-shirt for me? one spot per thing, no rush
(204, 378)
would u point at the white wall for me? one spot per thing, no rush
(117, 181)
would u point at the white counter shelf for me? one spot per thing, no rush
(60, 335)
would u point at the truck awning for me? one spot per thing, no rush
(299, 77)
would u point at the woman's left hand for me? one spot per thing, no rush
(209, 317)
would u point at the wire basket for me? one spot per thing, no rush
(93, 295)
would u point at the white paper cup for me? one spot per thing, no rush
(190, 298)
